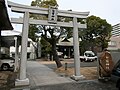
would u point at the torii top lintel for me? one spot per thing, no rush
(38, 10)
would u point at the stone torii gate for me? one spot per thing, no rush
(52, 13)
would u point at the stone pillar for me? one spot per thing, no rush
(0, 43)
(69, 52)
(16, 54)
(39, 49)
(77, 75)
(22, 78)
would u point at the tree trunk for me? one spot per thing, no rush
(55, 55)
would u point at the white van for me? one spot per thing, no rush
(88, 56)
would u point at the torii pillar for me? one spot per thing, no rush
(22, 78)
(77, 75)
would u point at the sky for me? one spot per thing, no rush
(105, 9)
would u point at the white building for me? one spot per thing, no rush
(30, 50)
(114, 44)
(10, 36)
(116, 30)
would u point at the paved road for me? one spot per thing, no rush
(82, 64)
(115, 57)
(42, 75)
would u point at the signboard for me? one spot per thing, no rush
(52, 15)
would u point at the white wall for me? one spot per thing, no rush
(114, 44)
(30, 49)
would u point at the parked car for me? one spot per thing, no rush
(88, 56)
(60, 54)
(6, 62)
(115, 76)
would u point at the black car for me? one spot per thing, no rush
(115, 76)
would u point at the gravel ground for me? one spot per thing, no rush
(89, 73)
(7, 80)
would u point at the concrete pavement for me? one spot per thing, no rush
(42, 75)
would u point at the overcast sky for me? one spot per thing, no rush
(105, 9)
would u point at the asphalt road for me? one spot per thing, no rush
(115, 58)
(82, 64)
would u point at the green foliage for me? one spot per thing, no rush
(44, 3)
(46, 47)
(49, 34)
(48, 31)
(98, 32)
(33, 29)
(69, 32)
(39, 28)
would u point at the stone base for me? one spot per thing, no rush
(77, 78)
(22, 82)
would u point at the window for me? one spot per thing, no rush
(112, 43)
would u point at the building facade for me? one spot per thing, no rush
(8, 44)
(116, 30)
(114, 44)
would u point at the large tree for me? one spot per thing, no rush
(50, 34)
(98, 33)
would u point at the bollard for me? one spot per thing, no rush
(65, 66)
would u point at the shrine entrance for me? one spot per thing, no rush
(52, 13)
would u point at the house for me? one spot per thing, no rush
(65, 46)
(8, 44)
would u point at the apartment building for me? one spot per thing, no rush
(114, 44)
(116, 30)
